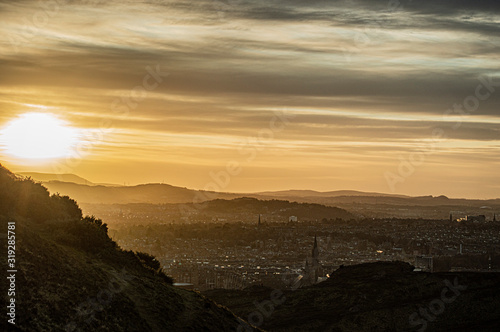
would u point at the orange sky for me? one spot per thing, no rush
(318, 95)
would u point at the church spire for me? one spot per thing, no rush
(313, 269)
(315, 250)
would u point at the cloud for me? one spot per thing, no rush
(362, 77)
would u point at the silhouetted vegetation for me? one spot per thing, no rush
(22, 197)
(150, 262)
(97, 222)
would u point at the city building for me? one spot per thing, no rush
(475, 219)
(313, 269)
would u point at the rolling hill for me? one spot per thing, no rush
(313, 193)
(153, 193)
(250, 206)
(46, 177)
(361, 204)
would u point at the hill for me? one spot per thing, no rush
(361, 204)
(313, 193)
(375, 297)
(277, 208)
(154, 193)
(72, 277)
(46, 177)
(243, 209)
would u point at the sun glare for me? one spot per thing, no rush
(38, 136)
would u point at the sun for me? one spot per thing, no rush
(38, 136)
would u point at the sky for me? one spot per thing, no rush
(246, 96)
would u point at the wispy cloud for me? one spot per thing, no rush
(366, 82)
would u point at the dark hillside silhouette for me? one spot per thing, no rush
(72, 277)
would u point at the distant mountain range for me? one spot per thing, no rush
(157, 193)
(153, 193)
(360, 203)
(46, 177)
(76, 186)
(313, 193)
(72, 178)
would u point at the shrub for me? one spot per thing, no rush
(151, 263)
(148, 260)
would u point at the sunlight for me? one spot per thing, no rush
(38, 136)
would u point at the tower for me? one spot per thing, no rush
(451, 217)
(494, 217)
(259, 221)
(315, 250)
(313, 268)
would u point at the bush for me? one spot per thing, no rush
(89, 234)
(150, 262)
(27, 198)
(97, 222)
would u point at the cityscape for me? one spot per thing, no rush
(229, 252)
